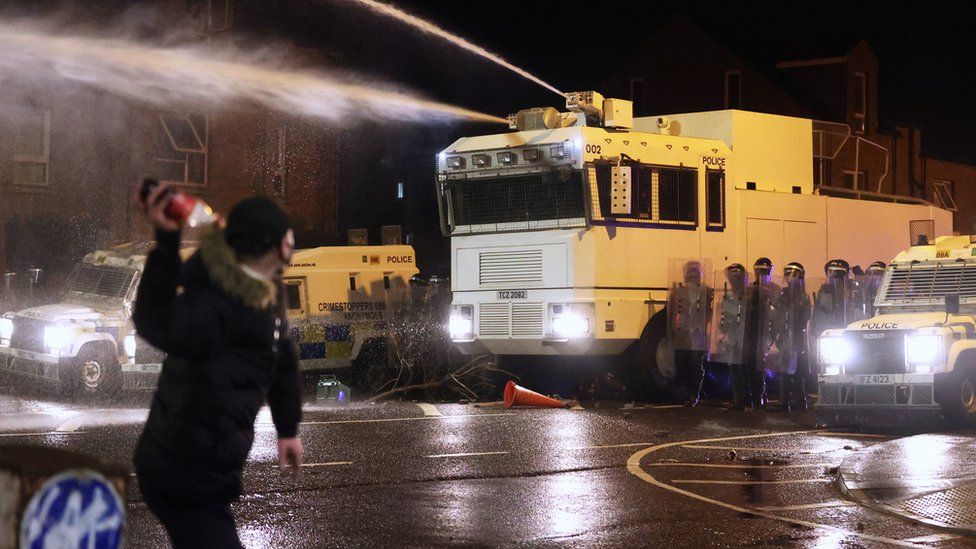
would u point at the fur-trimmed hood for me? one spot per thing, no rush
(226, 274)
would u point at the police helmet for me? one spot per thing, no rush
(763, 265)
(877, 268)
(836, 267)
(794, 270)
(735, 268)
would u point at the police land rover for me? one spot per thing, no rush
(916, 357)
(86, 342)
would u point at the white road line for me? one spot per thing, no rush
(429, 409)
(326, 464)
(823, 505)
(71, 425)
(46, 434)
(856, 435)
(667, 406)
(750, 482)
(467, 454)
(385, 420)
(759, 449)
(740, 466)
(627, 445)
(634, 468)
(932, 538)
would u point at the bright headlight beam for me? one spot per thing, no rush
(6, 328)
(57, 337)
(923, 349)
(835, 351)
(570, 325)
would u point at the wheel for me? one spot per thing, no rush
(371, 370)
(958, 398)
(656, 370)
(95, 371)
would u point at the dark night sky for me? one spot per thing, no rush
(925, 75)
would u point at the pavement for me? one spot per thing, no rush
(929, 479)
(610, 474)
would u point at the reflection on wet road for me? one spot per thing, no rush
(426, 475)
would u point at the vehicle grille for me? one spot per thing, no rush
(883, 354)
(514, 268)
(516, 320)
(929, 284)
(28, 334)
(877, 395)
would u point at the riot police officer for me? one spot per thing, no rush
(689, 309)
(832, 301)
(873, 275)
(761, 293)
(789, 335)
(730, 339)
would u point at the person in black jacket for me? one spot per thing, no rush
(221, 321)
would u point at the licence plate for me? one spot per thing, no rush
(513, 294)
(876, 379)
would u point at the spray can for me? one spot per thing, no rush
(182, 207)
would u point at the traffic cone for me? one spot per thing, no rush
(520, 396)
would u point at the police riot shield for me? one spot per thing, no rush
(787, 329)
(864, 291)
(689, 304)
(833, 304)
(765, 297)
(730, 318)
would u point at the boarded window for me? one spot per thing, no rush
(31, 130)
(181, 148)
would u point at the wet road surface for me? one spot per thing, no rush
(420, 475)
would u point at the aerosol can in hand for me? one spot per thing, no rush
(187, 209)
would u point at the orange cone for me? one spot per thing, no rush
(520, 396)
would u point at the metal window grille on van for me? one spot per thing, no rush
(100, 280)
(662, 195)
(928, 284)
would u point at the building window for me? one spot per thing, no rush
(181, 148)
(31, 146)
(277, 155)
(860, 102)
(219, 15)
(855, 180)
(733, 90)
(945, 194)
(715, 200)
(399, 190)
(638, 94)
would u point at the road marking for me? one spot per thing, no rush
(385, 420)
(750, 482)
(326, 464)
(71, 425)
(429, 409)
(823, 505)
(932, 538)
(634, 468)
(739, 466)
(47, 434)
(469, 454)
(855, 435)
(759, 449)
(627, 445)
(668, 406)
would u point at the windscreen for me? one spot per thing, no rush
(531, 201)
(100, 280)
(928, 284)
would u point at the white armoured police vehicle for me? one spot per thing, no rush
(562, 232)
(85, 342)
(917, 355)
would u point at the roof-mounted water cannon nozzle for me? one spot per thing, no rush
(587, 102)
(538, 118)
(606, 112)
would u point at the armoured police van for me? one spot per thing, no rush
(340, 302)
(915, 358)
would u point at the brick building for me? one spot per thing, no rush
(683, 68)
(69, 156)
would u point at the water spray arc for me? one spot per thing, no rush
(168, 76)
(427, 27)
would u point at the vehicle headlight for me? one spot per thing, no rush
(570, 320)
(57, 337)
(461, 324)
(834, 353)
(130, 345)
(455, 162)
(6, 328)
(923, 352)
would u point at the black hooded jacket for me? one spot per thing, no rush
(225, 334)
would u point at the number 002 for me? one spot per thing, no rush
(593, 149)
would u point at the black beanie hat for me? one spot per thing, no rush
(255, 225)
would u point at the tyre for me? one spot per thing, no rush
(95, 371)
(958, 397)
(371, 371)
(655, 371)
